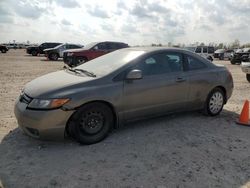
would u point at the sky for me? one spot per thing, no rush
(136, 22)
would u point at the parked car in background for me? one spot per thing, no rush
(245, 66)
(57, 52)
(12, 46)
(35, 50)
(93, 50)
(223, 53)
(88, 101)
(204, 51)
(240, 55)
(3, 48)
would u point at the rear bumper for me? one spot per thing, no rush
(46, 125)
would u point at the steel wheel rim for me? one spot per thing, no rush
(54, 56)
(92, 122)
(216, 102)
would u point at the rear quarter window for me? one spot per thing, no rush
(194, 63)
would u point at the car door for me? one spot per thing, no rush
(162, 89)
(200, 79)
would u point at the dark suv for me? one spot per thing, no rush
(93, 50)
(240, 55)
(35, 50)
(3, 48)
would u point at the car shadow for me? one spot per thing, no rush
(185, 149)
(59, 60)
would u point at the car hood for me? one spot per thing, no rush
(54, 84)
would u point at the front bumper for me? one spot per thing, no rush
(245, 67)
(42, 124)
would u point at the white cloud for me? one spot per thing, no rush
(134, 22)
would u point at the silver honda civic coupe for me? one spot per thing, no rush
(88, 101)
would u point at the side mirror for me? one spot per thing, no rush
(134, 75)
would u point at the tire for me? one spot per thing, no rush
(214, 102)
(91, 123)
(53, 56)
(248, 77)
(34, 53)
(232, 62)
(3, 51)
(81, 60)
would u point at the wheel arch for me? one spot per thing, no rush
(111, 106)
(224, 91)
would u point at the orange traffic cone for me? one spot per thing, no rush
(244, 115)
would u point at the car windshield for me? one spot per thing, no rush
(191, 49)
(220, 51)
(108, 63)
(90, 45)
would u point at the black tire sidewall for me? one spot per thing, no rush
(207, 109)
(34, 53)
(79, 58)
(108, 124)
(248, 77)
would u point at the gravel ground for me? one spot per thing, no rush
(182, 150)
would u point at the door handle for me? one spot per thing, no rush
(180, 79)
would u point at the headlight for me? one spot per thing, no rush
(70, 54)
(47, 103)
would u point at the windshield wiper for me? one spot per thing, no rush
(88, 73)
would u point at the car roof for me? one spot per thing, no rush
(155, 49)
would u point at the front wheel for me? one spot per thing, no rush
(53, 56)
(3, 51)
(91, 123)
(215, 102)
(248, 77)
(81, 60)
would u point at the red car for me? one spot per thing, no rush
(91, 51)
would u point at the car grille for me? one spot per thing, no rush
(25, 98)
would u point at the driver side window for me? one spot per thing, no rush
(161, 63)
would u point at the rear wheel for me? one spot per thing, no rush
(215, 102)
(3, 51)
(91, 123)
(53, 56)
(248, 77)
(34, 53)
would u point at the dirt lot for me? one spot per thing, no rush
(183, 150)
